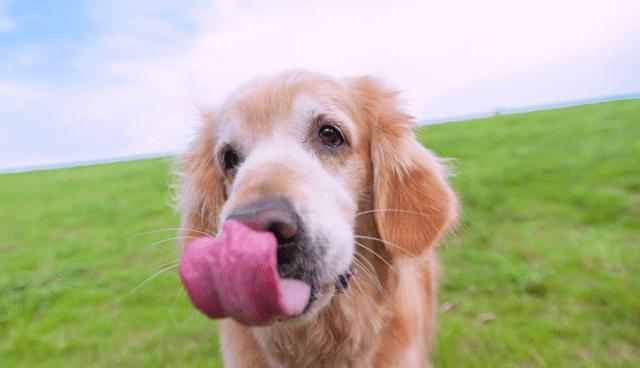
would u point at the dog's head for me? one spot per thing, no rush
(307, 157)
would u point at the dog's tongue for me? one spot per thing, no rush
(235, 275)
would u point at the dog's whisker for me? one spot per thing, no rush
(357, 284)
(374, 281)
(171, 229)
(366, 262)
(376, 254)
(414, 256)
(175, 301)
(402, 210)
(369, 273)
(154, 276)
(362, 293)
(174, 261)
(385, 242)
(147, 247)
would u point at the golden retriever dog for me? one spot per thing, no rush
(334, 168)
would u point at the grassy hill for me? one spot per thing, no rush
(544, 270)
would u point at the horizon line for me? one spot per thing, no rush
(532, 108)
(449, 119)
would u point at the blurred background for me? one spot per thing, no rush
(536, 102)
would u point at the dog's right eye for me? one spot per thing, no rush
(330, 136)
(231, 160)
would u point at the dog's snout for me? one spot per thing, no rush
(275, 215)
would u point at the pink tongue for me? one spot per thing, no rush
(235, 275)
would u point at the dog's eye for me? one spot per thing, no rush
(231, 160)
(330, 136)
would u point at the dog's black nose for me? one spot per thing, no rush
(275, 215)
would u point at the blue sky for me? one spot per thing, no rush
(85, 80)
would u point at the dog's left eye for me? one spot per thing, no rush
(330, 136)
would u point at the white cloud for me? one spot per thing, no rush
(425, 48)
(145, 76)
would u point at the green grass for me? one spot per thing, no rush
(549, 244)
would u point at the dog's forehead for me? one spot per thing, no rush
(284, 105)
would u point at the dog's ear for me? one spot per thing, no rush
(201, 187)
(413, 203)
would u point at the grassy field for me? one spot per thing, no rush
(544, 270)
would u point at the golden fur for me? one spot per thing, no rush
(386, 317)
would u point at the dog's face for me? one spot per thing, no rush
(287, 155)
(301, 155)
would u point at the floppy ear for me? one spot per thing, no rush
(201, 187)
(413, 203)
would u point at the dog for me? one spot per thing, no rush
(334, 168)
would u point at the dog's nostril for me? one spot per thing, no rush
(284, 232)
(274, 215)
